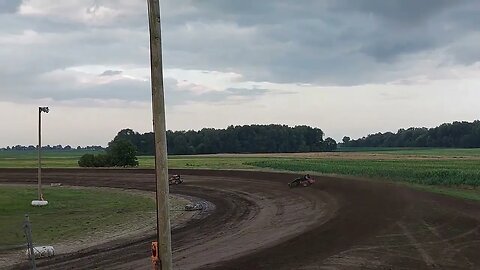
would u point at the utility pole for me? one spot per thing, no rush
(159, 128)
(40, 110)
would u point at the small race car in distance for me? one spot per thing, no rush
(175, 179)
(303, 181)
(194, 207)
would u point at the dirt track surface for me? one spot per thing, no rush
(258, 223)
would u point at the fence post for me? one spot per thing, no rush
(28, 234)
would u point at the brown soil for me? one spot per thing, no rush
(257, 222)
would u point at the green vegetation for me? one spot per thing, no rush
(427, 172)
(70, 214)
(416, 151)
(120, 153)
(50, 158)
(235, 139)
(203, 162)
(456, 134)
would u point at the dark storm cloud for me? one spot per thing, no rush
(265, 12)
(328, 42)
(386, 49)
(9, 6)
(406, 12)
(324, 42)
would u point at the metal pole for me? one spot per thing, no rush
(40, 197)
(159, 128)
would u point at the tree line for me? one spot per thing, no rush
(456, 134)
(234, 139)
(51, 147)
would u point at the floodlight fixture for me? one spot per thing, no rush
(43, 109)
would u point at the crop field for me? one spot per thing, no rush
(427, 152)
(428, 172)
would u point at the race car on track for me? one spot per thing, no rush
(194, 207)
(303, 181)
(175, 179)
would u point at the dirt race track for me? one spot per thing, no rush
(257, 222)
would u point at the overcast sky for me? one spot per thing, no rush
(348, 67)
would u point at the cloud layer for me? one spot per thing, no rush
(88, 55)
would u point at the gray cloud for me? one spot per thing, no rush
(329, 42)
(326, 42)
(386, 49)
(123, 89)
(176, 96)
(111, 73)
(9, 6)
(68, 54)
(405, 12)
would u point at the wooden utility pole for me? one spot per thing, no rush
(159, 128)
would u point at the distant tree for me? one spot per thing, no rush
(122, 153)
(91, 160)
(103, 160)
(329, 145)
(87, 160)
(346, 139)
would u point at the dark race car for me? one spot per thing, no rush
(303, 181)
(175, 180)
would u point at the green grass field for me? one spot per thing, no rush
(51, 158)
(70, 214)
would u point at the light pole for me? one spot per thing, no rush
(40, 110)
(164, 250)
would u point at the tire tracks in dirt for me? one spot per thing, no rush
(259, 223)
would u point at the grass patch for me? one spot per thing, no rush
(50, 158)
(69, 159)
(70, 214)
(202, 162)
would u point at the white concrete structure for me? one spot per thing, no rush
(41, 252)
(39, 203)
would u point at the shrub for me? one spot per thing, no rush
(87, 160)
